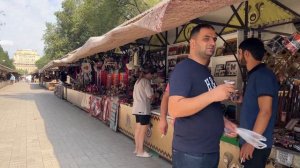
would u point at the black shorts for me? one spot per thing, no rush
(142, 119)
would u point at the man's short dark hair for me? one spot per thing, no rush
(255, 46)
(147, 70)
(197, 29)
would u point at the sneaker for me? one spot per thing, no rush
(144, 155)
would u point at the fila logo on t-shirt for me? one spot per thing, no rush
(210, 83)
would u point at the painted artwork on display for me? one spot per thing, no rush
(219, 70)
(231, 68)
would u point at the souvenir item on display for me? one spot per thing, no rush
(124, 78)
(108, 80)
(130, 66)
(92, 88)
(116, 78)
(95, 105)
(86, 69)
(78, 83)
(297, 132)
(107, 109)
(97, 68)
(292, 43)
(103, 77)
(104, 114)
(275, 45)
(286, 139)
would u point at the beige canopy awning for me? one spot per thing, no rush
(164, 16)
(52, 64)
(64, 61)
(170, 14)
(6, 69)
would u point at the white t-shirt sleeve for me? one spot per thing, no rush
(148, 89)
(141, 94)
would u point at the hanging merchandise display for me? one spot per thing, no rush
(86, 69)
(108, 80)
(292, 43)
(282, 53)
(136, 61)
(95, 106)
(97, 68)
(115, 78)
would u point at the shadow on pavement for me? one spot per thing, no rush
(77, 140)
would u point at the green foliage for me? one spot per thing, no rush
(81, 19)
(131, 8)
(22, 71)
(4, 59)
(42, 62)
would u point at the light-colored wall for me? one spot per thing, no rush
(25, 60)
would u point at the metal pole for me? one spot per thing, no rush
(246, 20)
(166, 56)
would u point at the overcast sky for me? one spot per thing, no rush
(24, 23)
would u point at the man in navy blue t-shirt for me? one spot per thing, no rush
(195, 103)
(260, 102)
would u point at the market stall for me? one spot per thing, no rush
(106, 67)
(49, 78)
(5, 75)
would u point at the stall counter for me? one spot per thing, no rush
(49, 85)
(229, 150)
(78, 98)
(163, 144)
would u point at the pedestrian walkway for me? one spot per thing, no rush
(39, 130)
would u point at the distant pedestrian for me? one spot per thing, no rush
(12, 79)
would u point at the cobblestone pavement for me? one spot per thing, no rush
(39, 130)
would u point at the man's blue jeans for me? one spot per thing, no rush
(205, 160)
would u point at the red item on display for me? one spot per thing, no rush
(124, 78)
(293, 43)
(95, 106)
(98, 79)
(105, 109)
(103, 77)
(109, 80)
(115, 79)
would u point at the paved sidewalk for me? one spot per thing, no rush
(39, 130)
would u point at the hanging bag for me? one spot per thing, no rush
(252, 138)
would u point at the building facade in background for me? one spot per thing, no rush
(25, 60)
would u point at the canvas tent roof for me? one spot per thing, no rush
(6, 69)
(52, 64)
(164, 16)
(261, 14)
(56, 63)
(173, 13)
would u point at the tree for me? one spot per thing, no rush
(4, 59)
(131, 8)
(22, 71)
(42, 62)
(81, 19)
